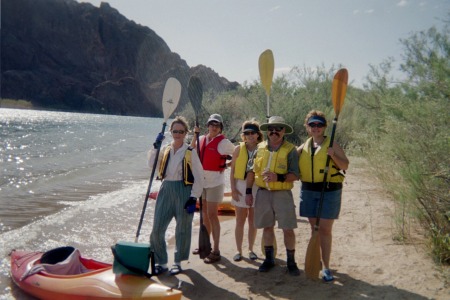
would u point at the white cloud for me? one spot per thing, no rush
(356, 11)
(402, 3)
(275, 8)
(369, 11)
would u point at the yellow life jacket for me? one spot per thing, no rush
(240, 167)
(312, 166)
(278, 164)
(188, 177)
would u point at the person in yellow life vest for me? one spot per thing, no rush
(312, 159)
(241, 163)
(274, 171)
(182, 178)
(214, 149)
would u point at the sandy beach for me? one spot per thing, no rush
(366, 261)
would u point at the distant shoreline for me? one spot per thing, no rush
(13, 103)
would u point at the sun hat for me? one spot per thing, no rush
(250, 127)
(317, 119)
(276, 121)
(215, 118)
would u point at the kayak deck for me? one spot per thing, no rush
(98, 283)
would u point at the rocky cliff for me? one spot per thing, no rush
(61, 54)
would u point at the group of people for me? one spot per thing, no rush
(262, 176)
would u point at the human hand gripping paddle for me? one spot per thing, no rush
(171, 97)
(266, 66)
(195, 92)
(313, 256)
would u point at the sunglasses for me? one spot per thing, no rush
(275, 128)
(178, 131)
(318, 125)
(213, 124)
(249, 133)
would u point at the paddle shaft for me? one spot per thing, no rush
(149, 186)
(325, 175)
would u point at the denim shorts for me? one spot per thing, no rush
(309, 204)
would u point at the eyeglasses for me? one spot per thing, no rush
(275, 128)
(249, 133)
(178, 131)
(318, 125)
(214, 124)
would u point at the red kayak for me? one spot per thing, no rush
(88, 279)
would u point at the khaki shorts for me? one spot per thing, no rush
(271, 206)
(214, 194)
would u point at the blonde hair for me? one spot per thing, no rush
(315, 113)
(180, 120)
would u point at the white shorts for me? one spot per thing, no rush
(241, 186)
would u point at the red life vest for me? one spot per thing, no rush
(211, 159)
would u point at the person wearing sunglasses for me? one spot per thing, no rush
(214, 149)
(182, 177)
(274, 171)
(242, 160)
(312, 159)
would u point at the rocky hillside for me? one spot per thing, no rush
(61, 54)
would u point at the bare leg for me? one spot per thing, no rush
(241, 216)
(326, 239)
(213, 217)
(251, 229)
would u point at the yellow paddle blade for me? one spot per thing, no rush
(266, 67)
(312, 259)
(339, 89)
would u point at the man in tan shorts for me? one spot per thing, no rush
(274, 171)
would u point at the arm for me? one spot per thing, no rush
(338, 156)
(199, 177)
(234, 192)
(225, 147)
(151, 157)
(194, 140)
(250, 181)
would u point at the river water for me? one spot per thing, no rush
(72, 179)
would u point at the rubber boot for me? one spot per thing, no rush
(291, 265)
(269, 261)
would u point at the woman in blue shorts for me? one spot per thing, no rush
(312, 159)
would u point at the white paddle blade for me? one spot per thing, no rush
(171, 97)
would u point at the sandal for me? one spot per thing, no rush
(196, 251)
(252, 255)
(160, 269)
(212, 257)
(176, 269)
(237, 257)
(327, 276)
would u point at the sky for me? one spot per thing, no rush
(229, 35)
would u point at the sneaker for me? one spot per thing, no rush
(293, 269)
(266, 266)
(237, 257)
(252, 255)
(327, 276)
